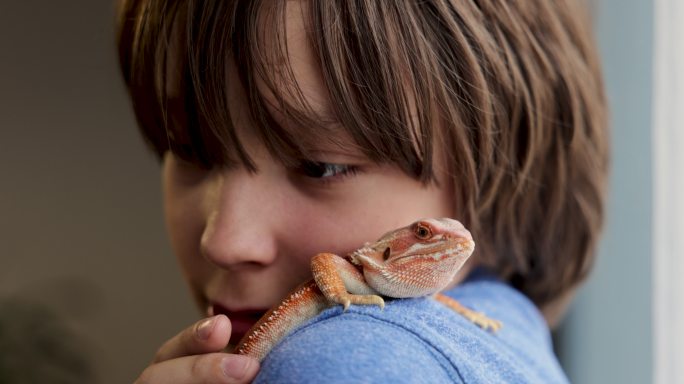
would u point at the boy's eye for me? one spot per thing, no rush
(320, 170)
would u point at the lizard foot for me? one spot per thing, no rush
(482, 321)
(349, 299)
(477, 318)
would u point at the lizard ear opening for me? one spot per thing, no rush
(386, 254)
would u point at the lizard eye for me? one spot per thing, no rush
(423, 232)
(386, 254)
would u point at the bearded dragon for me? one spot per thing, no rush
(417, 260)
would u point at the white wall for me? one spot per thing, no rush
(668, 193)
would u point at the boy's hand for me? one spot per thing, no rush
(195, 356)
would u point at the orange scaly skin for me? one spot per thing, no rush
(417, 260)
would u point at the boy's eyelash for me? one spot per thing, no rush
(326, 172)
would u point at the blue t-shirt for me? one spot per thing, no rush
(419, 341)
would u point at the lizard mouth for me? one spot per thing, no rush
(460, 248)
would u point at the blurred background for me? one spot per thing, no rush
(89, 287)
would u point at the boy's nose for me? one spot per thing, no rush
(239, 220)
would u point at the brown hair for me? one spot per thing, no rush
(510, 91)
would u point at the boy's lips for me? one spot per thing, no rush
(241, 321)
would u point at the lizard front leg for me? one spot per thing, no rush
(341, 282)
(334, 277)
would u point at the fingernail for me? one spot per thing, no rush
(236, 366)
(205, 328)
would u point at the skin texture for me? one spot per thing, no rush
(244, 240)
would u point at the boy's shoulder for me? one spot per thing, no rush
(419, 340)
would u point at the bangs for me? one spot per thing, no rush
(380, 92)
(509, 93)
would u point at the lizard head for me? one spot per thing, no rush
(416, 260)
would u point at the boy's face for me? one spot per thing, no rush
(245, 240)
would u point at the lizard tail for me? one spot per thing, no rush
(304, 303)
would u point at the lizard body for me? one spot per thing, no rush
(417, 260)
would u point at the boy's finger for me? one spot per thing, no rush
(209, 368)
(207, 335)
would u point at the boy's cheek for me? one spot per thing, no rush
(185, 225)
